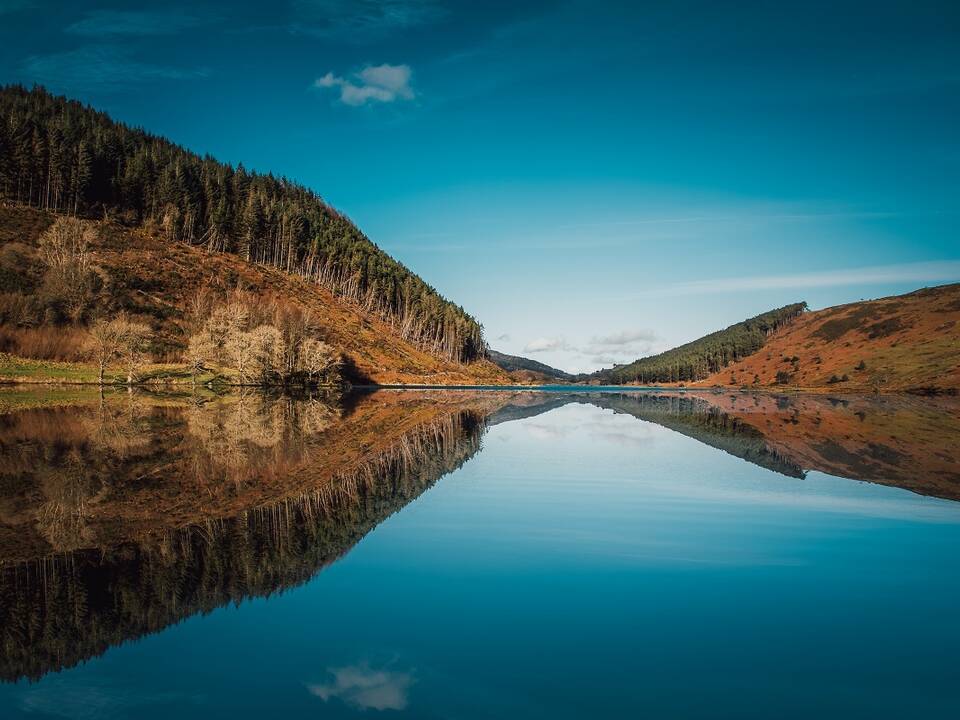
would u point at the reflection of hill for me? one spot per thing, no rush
(909, 443)
(698, 419)
(59, 609)
(122, 516)
(902, 442)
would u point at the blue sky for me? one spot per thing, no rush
(594, 181)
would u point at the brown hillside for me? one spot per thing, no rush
(903, 343)
(154, 279)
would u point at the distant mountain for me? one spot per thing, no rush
(515, 363)
(699, 359)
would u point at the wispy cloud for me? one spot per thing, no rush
(604, 350)
(111, 23)
(362, 20)
(921, 272)
(547, 344)
(374, 83)
(736, 218)
(11, 6)
(625, 337)
(99, 67)
(621, 346)
(365, 688)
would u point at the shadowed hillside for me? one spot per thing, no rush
(158, 281)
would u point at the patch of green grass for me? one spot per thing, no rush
(15, 369)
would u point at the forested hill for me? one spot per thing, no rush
(57, 154)
(513, 363)
(700, 358)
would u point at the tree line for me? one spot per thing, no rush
(59, 155)
(705, 356)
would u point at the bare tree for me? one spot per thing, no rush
(66, 243)
(319, 361)
(105, 343)
(115, 339)
(69, 282)
(266, 352)
(135, 339)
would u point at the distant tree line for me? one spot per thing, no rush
(701, 358)
(59, 155)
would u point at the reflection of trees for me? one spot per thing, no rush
(232, 432)
(60, 467)
(63, 609)
(697, 418)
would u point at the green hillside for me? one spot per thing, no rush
(709, 354)
(512, 363)
(59, 155)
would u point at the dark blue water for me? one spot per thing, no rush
(582, 564)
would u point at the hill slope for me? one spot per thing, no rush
(155, 280)
(902, 343)
(698, 359)
(57, 154)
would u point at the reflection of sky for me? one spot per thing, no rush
(584, 564)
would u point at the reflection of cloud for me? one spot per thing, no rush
(619, 429)
(363, 687)
(375, 83)
(542, 431)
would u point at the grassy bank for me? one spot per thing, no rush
(15, 369)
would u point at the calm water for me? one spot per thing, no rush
(479, 555)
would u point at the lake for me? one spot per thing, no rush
(478, 554)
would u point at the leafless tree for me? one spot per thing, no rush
(109, 340)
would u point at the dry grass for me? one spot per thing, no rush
(155, 281)
(904, 343)
(47, 342)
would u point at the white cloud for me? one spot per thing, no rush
(625, 337)
(503, 338)
(363, 688)
(374, 83)
(544, 344)
(621, 347)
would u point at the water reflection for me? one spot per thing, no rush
(365, 688)
(121, 515)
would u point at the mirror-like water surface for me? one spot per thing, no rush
(478, 554)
